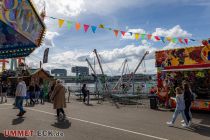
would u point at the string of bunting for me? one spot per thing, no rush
(116, 32)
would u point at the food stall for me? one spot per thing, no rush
(191, 65)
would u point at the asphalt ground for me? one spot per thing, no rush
(105, 121)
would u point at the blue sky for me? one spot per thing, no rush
(174, 18)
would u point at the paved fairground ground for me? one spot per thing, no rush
(104, 121)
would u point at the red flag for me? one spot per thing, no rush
(149, 36)
(157, 38)
(180, 40)
(116, 32)
(123, 33)
(186, 40)
(86, 27)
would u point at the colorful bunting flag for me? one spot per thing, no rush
(60, 22)
(186, 40)
(78, 26)
(143, 36)
(174, 40)
(163, 39)
(86, 27)
(116, 32)
(149, 36)
(157, 38)
(69, 24)
(101, 26)
(169, 39)
(180, 40)
(94, 29)
(137, 35)
(123, 33)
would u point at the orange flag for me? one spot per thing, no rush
(116, 32)
(60, 22)
(78, 26)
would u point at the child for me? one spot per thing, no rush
(180, 107)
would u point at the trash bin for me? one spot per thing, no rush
(153, 102)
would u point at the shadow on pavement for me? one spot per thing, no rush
(65, 124)
(2, 137)
(17, 121)
(197, 128)
(203, 116)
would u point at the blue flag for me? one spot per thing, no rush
(94, 29)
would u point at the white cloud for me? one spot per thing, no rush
(111, 60)
(176, 31)
(61, 7)
(49, 38)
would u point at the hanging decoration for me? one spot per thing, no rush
(137, 36)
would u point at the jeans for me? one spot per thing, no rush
(19, 103)
(37, 94)
(176, 113)
(187, 111)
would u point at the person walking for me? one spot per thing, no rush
(4, 91)
(188, 100)
(180, 108)
(85, 92)
(42, 93)
(69, 94)
(20, 95)
(58, 99)
(31, 93)
(37, 93)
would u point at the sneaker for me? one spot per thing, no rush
(169, 123)
(190, 123)
(184, 125)
(182, 121)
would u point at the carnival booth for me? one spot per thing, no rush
(190, 65)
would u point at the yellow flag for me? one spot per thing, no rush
(60, 22)
(77, 26)
(137, 36)
(169, 39)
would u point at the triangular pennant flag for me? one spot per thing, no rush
(163, 39)
(116, 32)
(77, 25)
(86, 27)
(180, 40)
(131, 33)
(101, 26)
(157, 38)
(123, 33)
(137, 35)
(174, 40)
(143, 36)
(168, 38)
(149, 36)
(60, 22)
(186, 40)
(94, 29)
(192, 39)
(69, 24)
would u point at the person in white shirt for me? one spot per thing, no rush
(20, 95)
